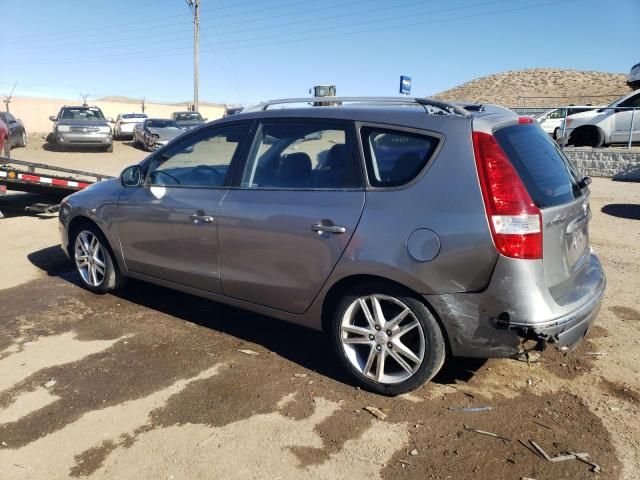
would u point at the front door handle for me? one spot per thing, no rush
(201, 218)
(320, 228)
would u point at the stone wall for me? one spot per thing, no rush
(617, 163)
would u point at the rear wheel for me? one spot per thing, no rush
(94, 261)
(588, 137)
(386, 339)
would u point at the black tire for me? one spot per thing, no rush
(112, 278)
(60, 147)
(556, 133)
(6, 148)
(431, 332)
(109, 149)
(588, 137)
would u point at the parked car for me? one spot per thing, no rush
(405, 234)
(188, 120)
(17, 132)
(152, 133)
(5, 142)
(81, 126)
(551, 121)
(605, 126)
(125, 123)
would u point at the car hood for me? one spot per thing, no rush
(165, 133)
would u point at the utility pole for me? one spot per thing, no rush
(142, 105)
(84, 98)
(195, 9)
(7, 98)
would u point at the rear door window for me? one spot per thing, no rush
(544, 169)
(395, 157)
(304, 155)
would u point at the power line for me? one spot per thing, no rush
(167, 52)
(105, 30)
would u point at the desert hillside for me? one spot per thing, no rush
(509, 88)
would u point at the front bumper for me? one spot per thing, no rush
(84, 139)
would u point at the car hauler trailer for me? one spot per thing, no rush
(43, 179)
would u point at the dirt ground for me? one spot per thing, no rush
(149, 383)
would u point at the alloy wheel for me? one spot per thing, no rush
(90, 258)
(382, 338)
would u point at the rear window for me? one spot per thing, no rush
(134, 115)
(544, 169)
(395, 157)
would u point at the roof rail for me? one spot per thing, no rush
(426, 103)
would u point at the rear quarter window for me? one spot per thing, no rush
(395, 157)
(544, 169)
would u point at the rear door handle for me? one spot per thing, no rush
(318, 227)
(201, 218)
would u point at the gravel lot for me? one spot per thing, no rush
(150, 383)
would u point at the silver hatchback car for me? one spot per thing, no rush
(406, 229)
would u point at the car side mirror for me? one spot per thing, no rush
(205, 119)
(131, 176)
(52, 118)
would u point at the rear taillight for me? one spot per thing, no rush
(514, 219)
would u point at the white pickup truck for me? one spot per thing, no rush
(604, 126)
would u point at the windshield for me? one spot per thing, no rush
(161, 124)
(134, 115)
(190, 116)
(81, 114)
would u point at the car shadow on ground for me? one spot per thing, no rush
(629, 211)
(17, 205)
(306, 347)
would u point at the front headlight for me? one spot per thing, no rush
(65, 209)
(63, 128)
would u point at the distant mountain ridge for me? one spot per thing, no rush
(512, 88)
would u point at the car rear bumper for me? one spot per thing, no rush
(512, 309)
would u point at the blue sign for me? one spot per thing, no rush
(405, 85)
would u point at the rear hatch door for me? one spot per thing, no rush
(562, 196)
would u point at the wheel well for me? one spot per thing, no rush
(75, 225)
(335, 293)
(582, 128)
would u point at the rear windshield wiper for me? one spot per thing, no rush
(586, 181)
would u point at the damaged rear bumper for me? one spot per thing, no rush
(514, 309)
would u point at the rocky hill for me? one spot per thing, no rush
(515, 88)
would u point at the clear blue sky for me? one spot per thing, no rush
(253, 50)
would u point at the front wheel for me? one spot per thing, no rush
(22, 142)
(94, 261)
(387, 340)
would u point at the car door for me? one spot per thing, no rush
(168, 225)
(295, 206)
(622, 120)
